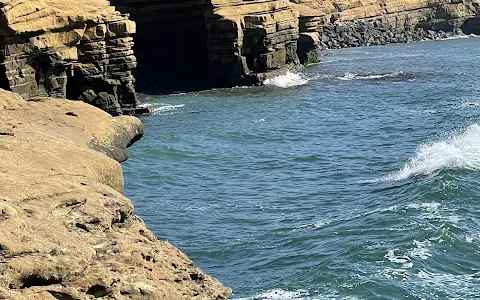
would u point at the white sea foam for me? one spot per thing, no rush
(420, 250)
(161, 107)
(451, 284)
(367, 76)
(459, 151)
(279, 294)
(287, 80)
(431, 207)
(399, 259)
(460, 36)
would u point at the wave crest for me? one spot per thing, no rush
(460, 151)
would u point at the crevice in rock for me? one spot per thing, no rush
(82, 227)
(120, 218)
(62, 296)
(38, 280)
(98, 290)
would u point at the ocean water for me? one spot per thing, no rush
(357, 178)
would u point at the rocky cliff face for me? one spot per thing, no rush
(247, 39)
(85, 51)
(347, 23)
(66, 231)
(80, 50)
(211, 43)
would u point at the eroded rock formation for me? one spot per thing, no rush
(66, 231)
(211, 43)
(347, 23)
(80, 50)
(85, 50)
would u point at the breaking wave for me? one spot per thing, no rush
(459, 151)
(287, 80)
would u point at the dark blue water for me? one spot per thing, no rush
(357, 178)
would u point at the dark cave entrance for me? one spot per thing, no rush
(471, 26)
(170, 45)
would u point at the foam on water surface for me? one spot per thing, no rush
(370, 76)
(458, 151)
(279, 294)
(159, 108)
(299, 294)
(287, 80)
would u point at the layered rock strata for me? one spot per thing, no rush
(57, 48)
(211, 43)
(369, 33)
(346, 23)
(66, 231)
(247, 39)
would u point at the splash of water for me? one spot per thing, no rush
(287, 80)
(459, 151)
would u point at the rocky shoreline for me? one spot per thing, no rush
(99, 51)
(66, 230)
(371, 33)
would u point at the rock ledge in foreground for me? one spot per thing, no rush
(66, 231)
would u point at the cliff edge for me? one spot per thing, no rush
(347, 23)
(79, 50)
(66, 231)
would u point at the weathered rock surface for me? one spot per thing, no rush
(85, 51)
(80, 50)
(66, 231)
(211, 43)
(347, 23)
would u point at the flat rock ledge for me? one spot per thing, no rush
(66, 230)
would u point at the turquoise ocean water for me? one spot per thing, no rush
(357, 178)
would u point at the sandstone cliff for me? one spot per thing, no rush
(58, 48)
(85, 50)
(211, 43)
(345, 23)
(66, 231)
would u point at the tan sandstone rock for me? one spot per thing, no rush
(434, 14)
(66, 231)
(58, 48)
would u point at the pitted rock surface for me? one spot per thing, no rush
(81, 50)
(66, 230)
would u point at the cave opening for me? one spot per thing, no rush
(170, 44)
(471, 26)
(4, 83)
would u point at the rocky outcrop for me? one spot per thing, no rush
(80, 50)
(211, 43)
(369, 33)
(247, 39)
(346, 23)
(85, 51)
(66, 231)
